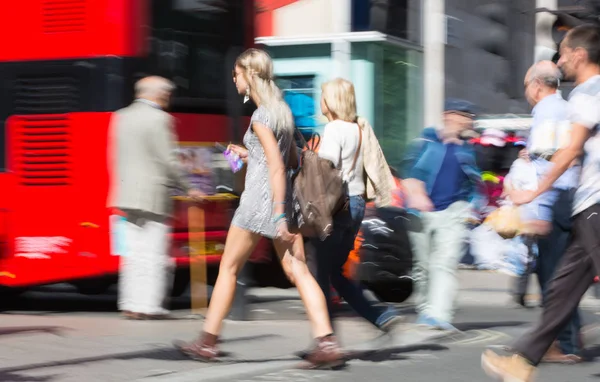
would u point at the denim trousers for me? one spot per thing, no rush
(331, 255)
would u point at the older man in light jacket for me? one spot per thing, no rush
(143, 168)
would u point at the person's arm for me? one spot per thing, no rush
(277, 178)
(414, 178)
(163, 140)
(584, 115)
(275, 164)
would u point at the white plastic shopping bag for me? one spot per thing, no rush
(522, 176)
(487, 247)
(117, 235)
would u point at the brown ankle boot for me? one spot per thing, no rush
(327, 353)
(204, 349)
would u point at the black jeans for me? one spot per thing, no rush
(572, 279)
(330, 256)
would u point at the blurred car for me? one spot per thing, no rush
(382, 257)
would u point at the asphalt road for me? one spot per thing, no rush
(485, 317)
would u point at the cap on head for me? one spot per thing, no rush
(460, 106)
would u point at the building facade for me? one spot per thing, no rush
(489, 47)
(404, 57)
(375, 44)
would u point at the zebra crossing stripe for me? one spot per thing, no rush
(482, 336)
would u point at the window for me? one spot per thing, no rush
(300, 94)
(3, 146)
(397, 99)
(195, 48)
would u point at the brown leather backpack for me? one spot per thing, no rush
(319, 191)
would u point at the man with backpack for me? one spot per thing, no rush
(443, 191)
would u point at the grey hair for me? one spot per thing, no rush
(547, 73)
(154, 86)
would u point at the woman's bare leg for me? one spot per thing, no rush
(294, 264)
(238, 247)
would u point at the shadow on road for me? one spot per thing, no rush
(466, 326)
(18, 378)
(162, 353)
(57, 330)
(392, 354)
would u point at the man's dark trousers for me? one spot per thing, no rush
(551, 250)
(573, 277)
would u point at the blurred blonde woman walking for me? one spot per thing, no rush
(350, 144)
(263, 212)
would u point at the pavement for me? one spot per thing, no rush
(64, 337)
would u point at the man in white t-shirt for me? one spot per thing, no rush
(580, 61)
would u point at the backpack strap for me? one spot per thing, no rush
(299, 135)
(357, 149)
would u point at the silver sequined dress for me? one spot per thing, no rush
(255, 212)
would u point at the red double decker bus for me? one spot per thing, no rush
(68, 66)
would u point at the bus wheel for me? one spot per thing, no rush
(7, 292)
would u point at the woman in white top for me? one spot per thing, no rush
(341, 139)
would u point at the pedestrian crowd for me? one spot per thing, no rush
(310, 201)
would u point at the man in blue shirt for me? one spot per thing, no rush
(443, 188)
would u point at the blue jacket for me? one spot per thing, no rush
(424, 160)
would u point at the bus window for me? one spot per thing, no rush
(190, 46)
(3, 145)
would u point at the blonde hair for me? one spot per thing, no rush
(258, 71)
(340, 99)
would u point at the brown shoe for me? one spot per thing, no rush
(158, 317)
(127, 314)
(555, 355)
(133, 315)
(326, 355)
(142, 316)
(507, 369)
(204, 349)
